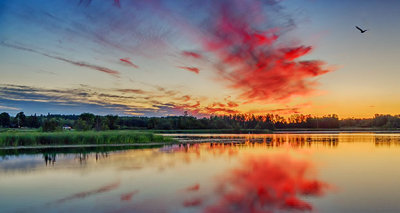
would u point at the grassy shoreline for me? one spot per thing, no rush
(33, 137)
(36, 138)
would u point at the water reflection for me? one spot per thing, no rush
(387, 141)
(49, 158)
(128, 196)
(296, 140)
(251, 173)
(84, 194)
(264, 183)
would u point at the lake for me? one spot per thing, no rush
(341, 172)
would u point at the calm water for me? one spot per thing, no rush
(226, 173)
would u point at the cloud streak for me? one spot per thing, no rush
(106, 70)
(191, 69)
(192, 54)
(129, 62)
(152, 102)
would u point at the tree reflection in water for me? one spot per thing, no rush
(49, 159)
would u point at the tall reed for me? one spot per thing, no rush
(76, 138)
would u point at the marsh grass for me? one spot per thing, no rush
(21, 138)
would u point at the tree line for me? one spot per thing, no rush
(89, 121)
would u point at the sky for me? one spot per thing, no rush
(165, 57)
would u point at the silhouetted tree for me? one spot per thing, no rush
(50, 125)
(86, 121)
(112, 121)
(20, 119)
(5, 120)
(32, 121)
(237, 122)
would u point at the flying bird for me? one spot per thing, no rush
(361, 30)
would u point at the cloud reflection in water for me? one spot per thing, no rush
(267, 184)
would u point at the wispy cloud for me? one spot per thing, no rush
(191, 69)
(129, 62)
(9, 108)
(134, 91)
(192, 54)
(285, 110)
(153, 102)
(76, 63)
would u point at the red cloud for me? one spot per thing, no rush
(186, 98)
(290, 110)
(91, 66)
(214, 110)
(218, 104)
(191, 69)
(195, 187)
(294, 53)
(232, 104)
(191, 54)
(249, 58)
(266, 184)
(129, 62)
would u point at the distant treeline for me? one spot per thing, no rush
(88, 121)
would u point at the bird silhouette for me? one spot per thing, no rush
(361, 30)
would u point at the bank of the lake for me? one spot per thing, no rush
(37, 138)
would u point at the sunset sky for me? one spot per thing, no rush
(164, 57)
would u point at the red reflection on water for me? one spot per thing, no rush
(267, 184)
(100, 190)
(192, 202)
(195, 187)
(128, 196)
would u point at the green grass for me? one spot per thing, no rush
(35, 138)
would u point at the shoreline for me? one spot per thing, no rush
(174, 140)
(83, 146)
